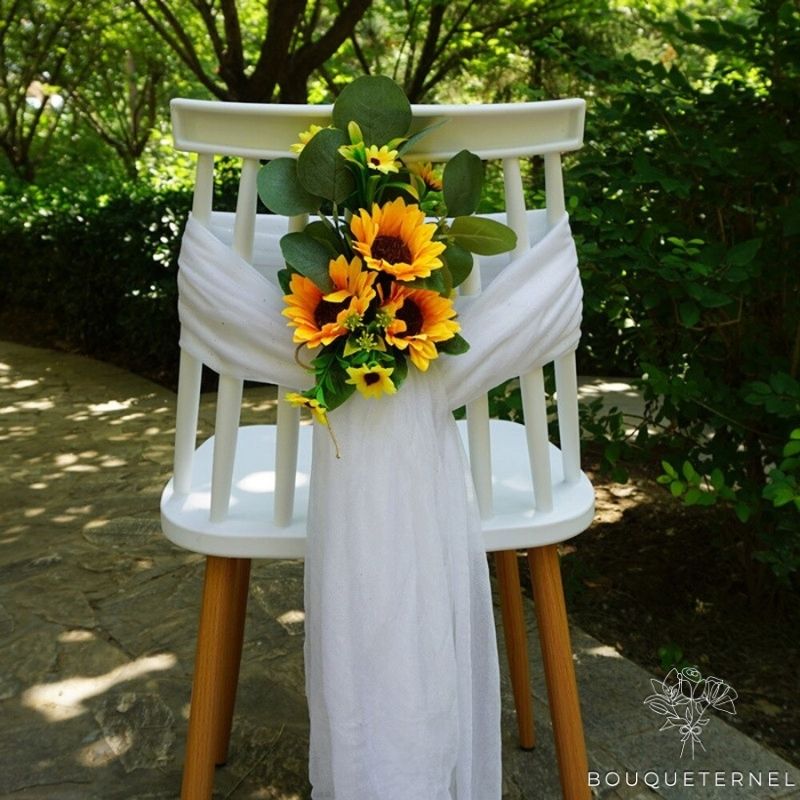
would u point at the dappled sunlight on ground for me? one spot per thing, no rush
(65, 699)
(602, 651)
(98, 612)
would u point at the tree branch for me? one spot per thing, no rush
(180, 43)
(314, 54)
(209, 20)
(282, 17)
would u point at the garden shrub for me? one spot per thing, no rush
(687, 215)
(102, 268)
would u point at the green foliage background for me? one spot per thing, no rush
(684, 203)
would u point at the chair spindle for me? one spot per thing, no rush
(568, 422)
(229, 393)
(535, 408)
(479, 439)
(286, 437)
(191, 369)
(554, 187)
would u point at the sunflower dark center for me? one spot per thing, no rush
(375, 160)
(391, 249)
(327, 312)
(410, 313)
(371, 378)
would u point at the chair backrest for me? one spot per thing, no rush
(255, 132)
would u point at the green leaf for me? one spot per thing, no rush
(707, 297)
(483, 236)
(462, 182)
(677, 488)
(309, 257)
(717, 478)
(693, 496)
(325, 235)
(337, 392)
(791, 449)
(689, 313)
(322, 171)
(619, 474)
(284, 277)
(743, 253)
(782, 495)
(453, 347)
(280, 189)
(439, 281)
(458, 261)
(412, 140)
(743, 511)
(377, 104)
(669, 469)
(400, 370)
(690, 473)
(612, 452)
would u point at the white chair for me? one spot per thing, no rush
(229, 503)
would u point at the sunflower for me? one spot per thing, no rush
(372, 380)
(419, 319)
(382, 159)
(396, 239)
(426, 173)
(318, 410)
(351, 281)
(321, 318)
(305, 137)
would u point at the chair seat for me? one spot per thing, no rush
(248, 532)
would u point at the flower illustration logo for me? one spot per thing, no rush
(684, 697)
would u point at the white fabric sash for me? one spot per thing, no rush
(401, 661)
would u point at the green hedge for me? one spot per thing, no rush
(102, 270)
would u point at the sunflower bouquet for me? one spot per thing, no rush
(369, 282)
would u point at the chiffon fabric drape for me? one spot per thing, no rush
(401, 660)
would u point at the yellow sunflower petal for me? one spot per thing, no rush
(319, 412)
(420, 318)
(372, 380)
(382, 159)
(394, 238)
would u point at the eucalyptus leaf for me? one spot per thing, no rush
(377, 104)
(413, 139)
(284, 279)
(309, 257)
(459, 261)
(280, 189)
(462, 182)
(320, 168)
(483, 236)
(439, 281)
(325, 235)
(453, 347)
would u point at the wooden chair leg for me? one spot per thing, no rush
(551, 614)
(232, 654)
(507, 569)
(210, 670)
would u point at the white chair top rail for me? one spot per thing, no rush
(265, 130)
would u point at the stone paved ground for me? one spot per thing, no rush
(98, 616)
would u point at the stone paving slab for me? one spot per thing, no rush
(98, 616)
